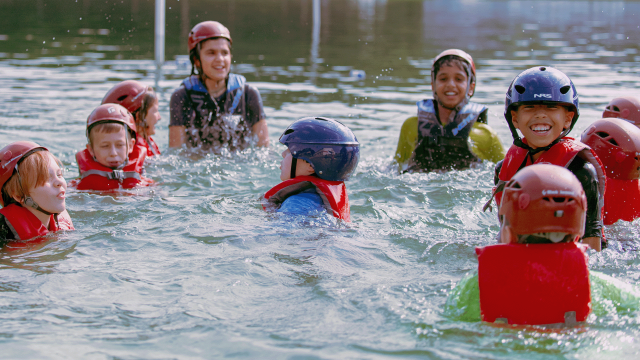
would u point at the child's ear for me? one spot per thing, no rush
(472, 89)
(514, 118)
(568, 119)
(507, 235)
(304, 168)
(90, 150)
(132, 143)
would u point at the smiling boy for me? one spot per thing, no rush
(438, 138)
(111, 160)
(543, 104)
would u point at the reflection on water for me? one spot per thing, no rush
(193, 266)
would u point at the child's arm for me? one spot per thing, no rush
(407, 140)
(485, 143)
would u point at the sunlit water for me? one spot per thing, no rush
(194, 268)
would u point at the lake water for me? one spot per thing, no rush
(194, 269)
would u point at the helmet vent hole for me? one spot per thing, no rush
(122, 97)
(615, 108)
(520, 89)
(613, 142)
(321, 118)
(288, 131)
(602, 134)
(565, 89)
(542, 68)
(513, 184)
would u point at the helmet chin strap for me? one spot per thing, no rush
(29, 202)
(294, 163)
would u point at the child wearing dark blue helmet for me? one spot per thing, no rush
(321, 154)
(542, 103)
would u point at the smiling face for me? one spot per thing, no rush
(541, 124)
(215, 59)
(152, 118)
(51, 195)
(110, 149)
(451, 85)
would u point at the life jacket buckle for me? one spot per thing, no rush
(116, 175)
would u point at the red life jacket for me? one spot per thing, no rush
(561, 154)
(150, 146)
(95, 176)
(534, 284)
(621, 201)
(333, 194)
(25, 225)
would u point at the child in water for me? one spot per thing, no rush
(111, 160)
(142, 103)
(617, 144)
(33, 193)
(438, 138)
(321, 154)
(543, 104)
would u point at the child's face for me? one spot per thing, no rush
(302, 167)
(215, 59)
(152, 118)
(541, 124)
(51, 195)
(451, 85)
(110, 149)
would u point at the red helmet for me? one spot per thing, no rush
(627, 108)
(617, 144)
(207, 30)
(111, 113)
(460, 54)
(10, 155)
(543, 198)
(129, 94)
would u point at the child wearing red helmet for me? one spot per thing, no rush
(33, 193)
(450, 132)
(111, 160)
(142, 102)
(617, 143)
(627, 108)
(542, 103)
(213, 108)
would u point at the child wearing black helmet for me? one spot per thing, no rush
(321, 154)
(450, 131)
(543, 104)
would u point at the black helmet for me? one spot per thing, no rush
(329, 146)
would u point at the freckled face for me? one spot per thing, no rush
(51, 195)
(541, 124)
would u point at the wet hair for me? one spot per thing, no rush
(107, 128)
(148, 100)
(34, 172)
(451, 60)
(194, 55)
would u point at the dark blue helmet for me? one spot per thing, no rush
(329, 146)
(541, 85)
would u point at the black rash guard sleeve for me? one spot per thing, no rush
(180, 108)
(5, 232)
(586, 174)
(255, 110)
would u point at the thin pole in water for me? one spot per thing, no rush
(315, 37)
(159, 48)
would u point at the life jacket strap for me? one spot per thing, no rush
(113, 175)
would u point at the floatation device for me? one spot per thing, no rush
(443, 147)
(95, 176)
(333, 194)
(561, 154)
(534, 284)
(617, 144)
(539, 274)
(231, 117)
(25, 225)
(150, 146)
